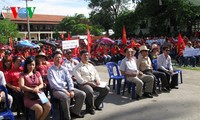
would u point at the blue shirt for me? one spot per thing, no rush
(59, 78)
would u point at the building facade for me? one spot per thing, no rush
(41, 26)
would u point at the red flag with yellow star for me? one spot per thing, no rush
(124, 40)
(180, 45)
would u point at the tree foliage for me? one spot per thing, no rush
(7, 29)
(78, 25)
(131, 22)
(106, 12)
(180, 14)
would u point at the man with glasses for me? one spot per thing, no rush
(165, 65)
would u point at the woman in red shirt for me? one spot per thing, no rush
(13, 83)
(6, 65)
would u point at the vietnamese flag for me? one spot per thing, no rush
(133, 44)
(68, 36)
(89, 41)
(124, 40)
(76, 52)
(62, 36)
(11, 42)
(180, 45)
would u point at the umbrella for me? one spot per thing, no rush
(47, 42)
(24, 43)
(107, 40)
(35, 45)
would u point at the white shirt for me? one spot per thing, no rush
(129, 66)
(164, 63)
(2, 79)
(85, 73)
(188, 48)
(70, 65)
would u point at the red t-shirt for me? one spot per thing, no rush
(114, 51)
(13, 76)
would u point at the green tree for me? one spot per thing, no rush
(106, 12)
(181, 14)
(129, 20)
(78, 24)
(7, 29)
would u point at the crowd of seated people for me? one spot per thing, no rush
(45, 71)
(37, 74)
(139, 69)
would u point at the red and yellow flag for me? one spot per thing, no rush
(124, 40)
(180, 45)
(89, 41)
(68, 36)
(11, 42)
(62, 36)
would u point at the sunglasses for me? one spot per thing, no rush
(167, 50)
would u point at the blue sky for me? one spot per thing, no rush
(53, 7)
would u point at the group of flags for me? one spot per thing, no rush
(180, 44)
(63, 36)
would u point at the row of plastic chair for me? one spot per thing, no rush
(114, 74)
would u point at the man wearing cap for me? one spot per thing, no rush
(70, 63)
(63, 89)
(129, 68)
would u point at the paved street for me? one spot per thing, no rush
(181, 104)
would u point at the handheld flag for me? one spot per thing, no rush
(124, 40)
(89, 41)
(62, 36)
(11, 42)
(180, 44)
(68, 37)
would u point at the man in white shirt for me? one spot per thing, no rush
(89, 80)
(129, 69)
(165, 65)
(70, 63)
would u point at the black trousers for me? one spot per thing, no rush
(157, 75)
(163, 78)
(174, 78)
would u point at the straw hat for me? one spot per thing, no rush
(143, 47)
(154, 46)
(41, 54)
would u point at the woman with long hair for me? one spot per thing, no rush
(31, 83)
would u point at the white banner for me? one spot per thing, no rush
(68, 44)
(191, 52)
